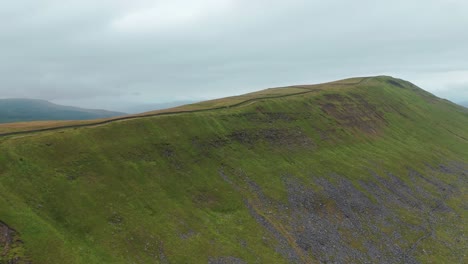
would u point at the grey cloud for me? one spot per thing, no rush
(94, 53)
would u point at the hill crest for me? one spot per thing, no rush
(357, 171)
(216, 104)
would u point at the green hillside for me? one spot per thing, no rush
(365, 170)
(20, 110)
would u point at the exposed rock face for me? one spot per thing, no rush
(10, 246)
(355, 222)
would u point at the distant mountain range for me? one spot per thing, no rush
(18, 110)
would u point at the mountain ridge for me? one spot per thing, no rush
(181, 109)
(374, 171)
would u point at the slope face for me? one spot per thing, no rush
(16, 110)
(364, 170)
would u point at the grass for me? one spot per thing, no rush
(149, 189)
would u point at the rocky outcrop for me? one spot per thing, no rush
(11, 247)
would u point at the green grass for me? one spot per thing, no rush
(145, 190)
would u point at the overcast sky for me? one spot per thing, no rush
(115, 53)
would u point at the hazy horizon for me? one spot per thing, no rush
(119, 54)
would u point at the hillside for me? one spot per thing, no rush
(20, 110)
(360, 170)
(465, 104)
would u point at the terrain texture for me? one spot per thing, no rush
(19, 110)
(363, 170)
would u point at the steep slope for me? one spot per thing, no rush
(17, 110)
(360, 170)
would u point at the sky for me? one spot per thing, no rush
(115, 54)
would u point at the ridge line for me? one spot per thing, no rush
(171, 113)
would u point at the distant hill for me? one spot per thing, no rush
(18, 110)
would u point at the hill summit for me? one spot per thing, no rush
(362, 170)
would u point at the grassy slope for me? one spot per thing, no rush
(179, 187)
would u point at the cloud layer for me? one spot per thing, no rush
(112, 53)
